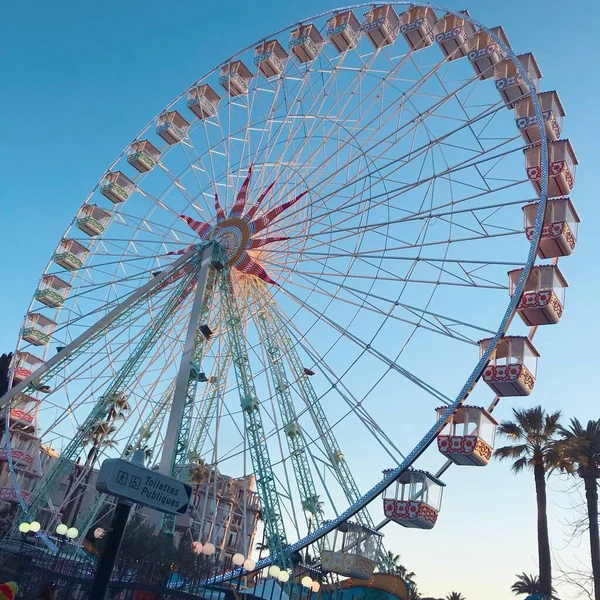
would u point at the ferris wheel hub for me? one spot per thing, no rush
(233, 235)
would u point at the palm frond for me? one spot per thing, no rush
(511, 451)
(520, 464)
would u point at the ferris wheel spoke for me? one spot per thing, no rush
(415, 122)
(355, 406)
(335, 457)
(369, 349)
(55, 363)
(403, 189)
(436, 324)
(39, 498)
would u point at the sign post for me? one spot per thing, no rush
(133, 484)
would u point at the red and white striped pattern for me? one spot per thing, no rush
(240, 201)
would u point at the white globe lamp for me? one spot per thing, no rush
(196, 547)
(99, 533)
(24, 527)
(274, 571)
(315, 587)
(306, 582)
(284, 577)
(249, 564)
(208, 549)
(72, 533)
(238, 559)
(34, 527)
(62, 529)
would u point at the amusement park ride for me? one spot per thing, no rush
(350, 199)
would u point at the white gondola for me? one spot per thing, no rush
(172, 127)
(512, 368)
(468, 437)
(25, 364)
(352, 551)
(306, 42)
(270, 58)
(553, 113)
(562, 162)
(143, 156)
(485, 52)
(543, 298)
(509, 80)
(452, 33)
(92, 219)
(382, 25)
(117, 187)
(559, 229)
(22, 411)
(417, 500)
(203, 101)
(343, 30)
(235, 78)
(52, 291)
(417, 25)
(70, 254)
(23, 447)
(38, 329)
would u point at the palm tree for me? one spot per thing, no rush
(99, 436)
(455, 596)
(533, 433)
(200, 473)
(395, 567)
(313, 506)
(580, 447)
(526, 585)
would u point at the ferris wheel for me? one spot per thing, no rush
(295, 276)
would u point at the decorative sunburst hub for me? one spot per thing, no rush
(237, 232)
(233, 234)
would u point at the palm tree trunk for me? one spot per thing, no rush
(89, 464)
(544, 559)
(591, 495)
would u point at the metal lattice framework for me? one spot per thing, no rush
(343, 212)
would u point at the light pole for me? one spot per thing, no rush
(24, 529)
(64, 533)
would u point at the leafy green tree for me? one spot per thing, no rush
(580, 448)
(455, 596)
(533, 433)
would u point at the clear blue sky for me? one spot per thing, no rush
(78, 80)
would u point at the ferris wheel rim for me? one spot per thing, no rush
(514, 300)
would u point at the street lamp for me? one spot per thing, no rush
(208, 549)
(24, 528)
(306, 582)
(34, 527)
(274, 571)
(238, 559)
(283, 576)
(64, 533)
(99, 533)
